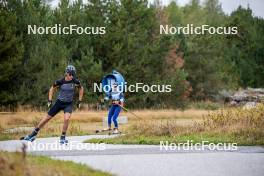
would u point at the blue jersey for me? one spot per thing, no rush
(66, 89)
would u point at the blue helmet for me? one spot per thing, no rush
(115, 78)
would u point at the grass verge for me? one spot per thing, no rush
(232, 125)
(193, 138)
(14, 164)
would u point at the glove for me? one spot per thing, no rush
(49, 103)
(79, 104)
(106, 98)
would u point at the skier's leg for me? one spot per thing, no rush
(115, 116)
(67, 116)
(44, 121)
(52, 112)
(110, 115)
(39, 126)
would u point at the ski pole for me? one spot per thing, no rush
(129, 111)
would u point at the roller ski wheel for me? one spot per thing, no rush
(64, 141)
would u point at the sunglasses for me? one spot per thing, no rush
(71, 74)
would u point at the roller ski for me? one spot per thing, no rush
(103, 130)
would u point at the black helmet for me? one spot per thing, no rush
(71, 70)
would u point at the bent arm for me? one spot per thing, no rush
(51, 91)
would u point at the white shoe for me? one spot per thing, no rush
(116, 131)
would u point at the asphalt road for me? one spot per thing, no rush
(136, 160)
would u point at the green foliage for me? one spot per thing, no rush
(11, 50)
(132, 45)
(245, 50)
(90, 72)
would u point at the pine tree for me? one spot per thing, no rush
(11, 50)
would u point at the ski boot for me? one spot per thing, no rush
(28, 138)
(63, 140)
(116, 131)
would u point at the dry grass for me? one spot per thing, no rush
(232, 125)
(237, 124)
(247, 123)
(241, 124)
(21, 118)
(228, 120)
(86, 122)
(18, 118)
(169, 114)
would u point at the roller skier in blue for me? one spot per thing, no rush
(117, 98)
(113, 85)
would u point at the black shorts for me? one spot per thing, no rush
(58, 106)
